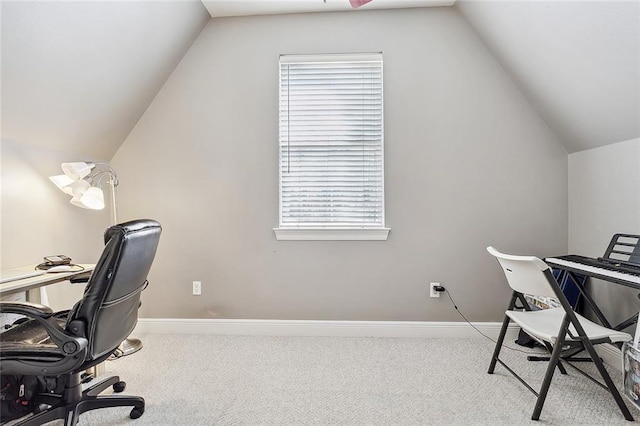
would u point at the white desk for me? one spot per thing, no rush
(30, 283)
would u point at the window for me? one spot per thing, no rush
(331, 147)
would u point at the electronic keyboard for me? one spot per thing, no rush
(620, 263)
(598, 268)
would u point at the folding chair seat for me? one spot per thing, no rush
(558, 328)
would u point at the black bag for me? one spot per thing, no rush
(19, 394)
(525, 340)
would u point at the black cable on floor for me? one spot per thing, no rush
(480, 332)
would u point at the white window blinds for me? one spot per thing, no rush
(331, 141)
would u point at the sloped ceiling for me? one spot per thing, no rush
(77, 76)
(221, 8)
(578, 62)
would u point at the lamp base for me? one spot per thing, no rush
(128, 346)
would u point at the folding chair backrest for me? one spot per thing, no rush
(525, 274)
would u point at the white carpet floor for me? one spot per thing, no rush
(238, 380)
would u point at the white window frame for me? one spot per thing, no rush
(327, 231)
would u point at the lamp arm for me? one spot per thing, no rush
(110, 173)
(114, 184)
(114, 202)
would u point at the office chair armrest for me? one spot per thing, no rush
(81, 278)
(29, 309)
(69, 345)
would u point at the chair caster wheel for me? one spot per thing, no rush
(136, 412)
(86, 377)
(119, 386)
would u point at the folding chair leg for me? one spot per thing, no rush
(607, 379)
(560, 366)
(496, 351)
(551, 368)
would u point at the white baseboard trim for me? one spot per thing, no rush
(257, 327)
(424, 329)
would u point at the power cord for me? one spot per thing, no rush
(442, 289)
(72, 267)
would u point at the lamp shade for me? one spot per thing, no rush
(77, 187)
(76, 202)
(77, 170)
(83, 180)
(61, 181)
(93, 198)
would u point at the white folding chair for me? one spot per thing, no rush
(558, 328)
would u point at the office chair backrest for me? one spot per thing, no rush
(108, 311)
(525, 274)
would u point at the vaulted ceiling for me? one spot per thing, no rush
(77, 76)
(578, 63)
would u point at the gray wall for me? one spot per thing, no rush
(604, 199)
(468, 164)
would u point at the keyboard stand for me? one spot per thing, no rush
(624, 252)
(565, 280)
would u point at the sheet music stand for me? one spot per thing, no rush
(623, 249)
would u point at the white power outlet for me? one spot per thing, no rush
(197, 288)
(432, 291)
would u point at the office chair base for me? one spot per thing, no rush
(129, 346)
(75, 401)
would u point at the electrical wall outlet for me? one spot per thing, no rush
(197, 288)
(432, 290)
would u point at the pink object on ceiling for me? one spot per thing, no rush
(358, 3)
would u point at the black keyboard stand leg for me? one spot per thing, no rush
(547, 358)
(567, 355)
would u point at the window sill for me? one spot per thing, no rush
(331, 234)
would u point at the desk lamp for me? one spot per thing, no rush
(83, 182)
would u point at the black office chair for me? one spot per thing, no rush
(68, 343)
